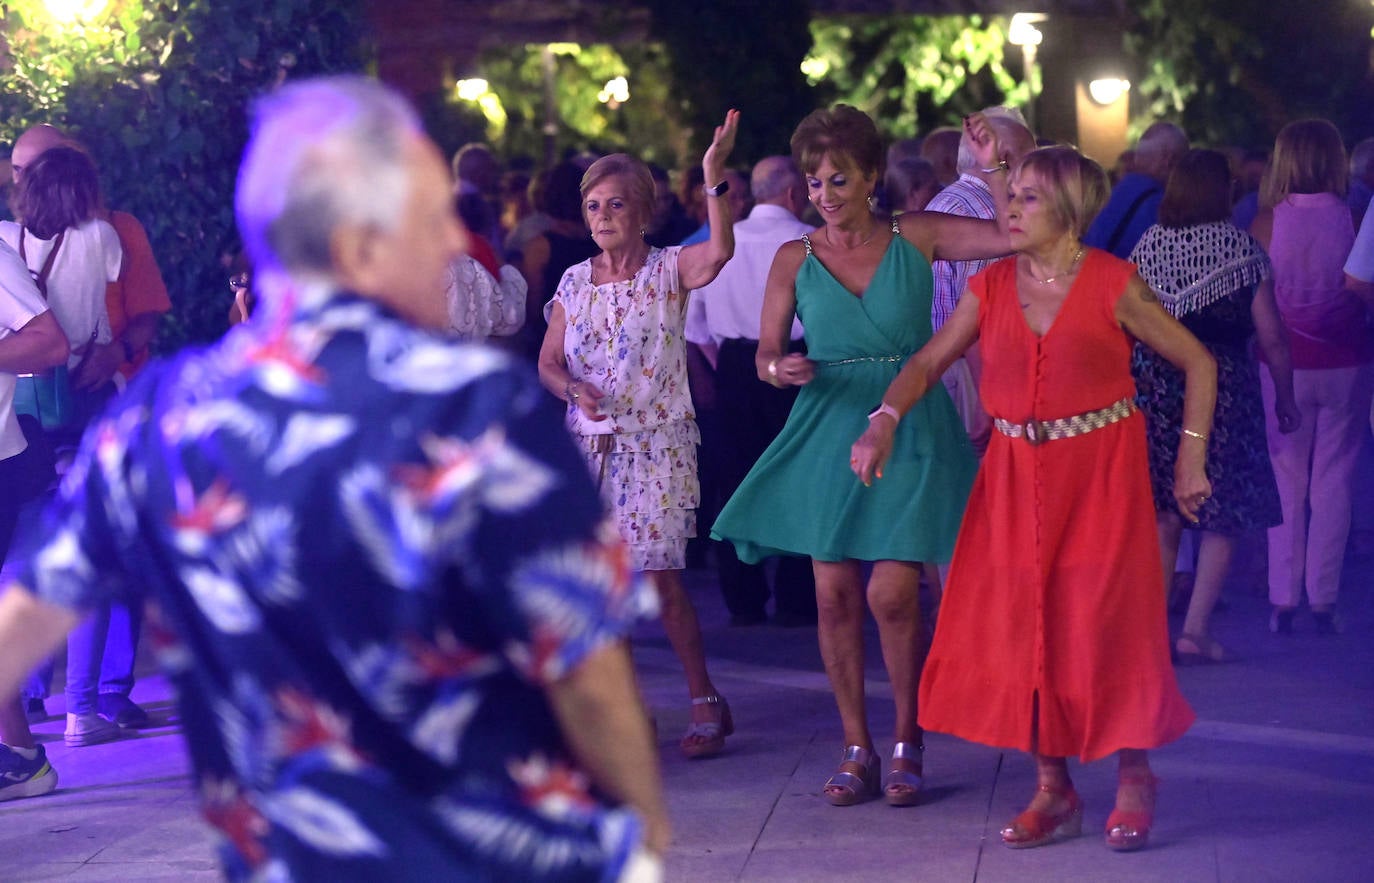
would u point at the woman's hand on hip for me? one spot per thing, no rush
(793, 369)
(1288, 416)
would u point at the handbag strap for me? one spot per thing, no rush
(40, 278)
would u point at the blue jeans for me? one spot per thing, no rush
(100, 655)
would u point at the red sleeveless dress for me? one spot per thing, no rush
(1055, 598)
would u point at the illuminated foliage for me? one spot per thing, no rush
(157, 92)
(913, 73)
(1229, 74)
(639, 125)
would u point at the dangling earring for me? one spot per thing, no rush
(643, 232)
(872, 202)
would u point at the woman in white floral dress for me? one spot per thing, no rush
(615, 353)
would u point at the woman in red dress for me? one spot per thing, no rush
(1052, 636)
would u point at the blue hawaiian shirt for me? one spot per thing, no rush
(367, 549)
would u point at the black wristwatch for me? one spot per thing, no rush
(717, 190)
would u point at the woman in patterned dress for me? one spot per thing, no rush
(1052, 636)
(1216, 280)
(615, 351)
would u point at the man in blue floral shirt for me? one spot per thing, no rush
(377, 568)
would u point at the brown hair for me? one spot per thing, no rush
(843, 133)
(638, 181)
(1309, 157)
(59, 189)
(1075, 186)
(1199, 190)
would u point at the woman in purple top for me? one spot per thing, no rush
(1306, 226)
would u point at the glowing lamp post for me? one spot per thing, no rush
(1023, 32)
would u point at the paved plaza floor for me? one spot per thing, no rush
(1275, 782)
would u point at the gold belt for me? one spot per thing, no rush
(1037, 431)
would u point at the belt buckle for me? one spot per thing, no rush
(1032, 431)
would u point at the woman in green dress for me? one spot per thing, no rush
(862, 287)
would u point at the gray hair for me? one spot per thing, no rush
(1160, 149)
(323, 152)
(1004, 121)
(773, 176)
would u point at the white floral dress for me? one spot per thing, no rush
(626, 338)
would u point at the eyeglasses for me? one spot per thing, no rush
(238, 281)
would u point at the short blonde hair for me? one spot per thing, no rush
(638, 181)
(1076, 186)
(1309, 157)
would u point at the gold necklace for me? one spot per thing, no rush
(876, 228)
(1069, 272)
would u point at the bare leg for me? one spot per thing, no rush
(1170, 526)
(840, 612)
(1213, 563)
(893, 591)
(14, 727)
(684, 634)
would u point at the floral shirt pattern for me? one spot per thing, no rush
(627, 338)
(367, 549)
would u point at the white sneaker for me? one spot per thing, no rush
(89, 729)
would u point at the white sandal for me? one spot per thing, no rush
(707, 738)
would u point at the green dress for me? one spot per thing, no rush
(801, 498)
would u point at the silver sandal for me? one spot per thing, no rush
(904, 787)
(710, 733)
(850, 788)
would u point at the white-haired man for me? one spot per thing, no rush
(1134, 204)
(382, 591)
(970, 197)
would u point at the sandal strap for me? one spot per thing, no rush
(908, 750)
(857, 754)
(713, 699)
(707, 730)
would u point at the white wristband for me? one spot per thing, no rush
(887, 409)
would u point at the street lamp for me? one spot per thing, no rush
(68, 12)
(1108, 89)
(1024, 33)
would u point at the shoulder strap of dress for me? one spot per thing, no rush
(806, 241)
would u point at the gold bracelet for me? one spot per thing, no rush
(1200, 436)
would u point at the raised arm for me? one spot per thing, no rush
(1139, 312)
(920, 372)
(772, 361)
(698, 264)
(951, 238)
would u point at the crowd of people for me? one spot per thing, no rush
(965, 376)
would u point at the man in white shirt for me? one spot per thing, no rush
(723, 318)
(30, 341)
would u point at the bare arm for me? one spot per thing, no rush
(952, 238)
(698, 264)
(554, 373)
(772, 361)
(1140, 313)
(30, 629)
(1272, 338)
(919, 373)
(600, 712)
(36, 347)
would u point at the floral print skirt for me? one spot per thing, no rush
(649, 481)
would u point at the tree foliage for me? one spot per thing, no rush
(744, 54)
(640, 125)
(913, 73)
(1230, 72)
(157, 92)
